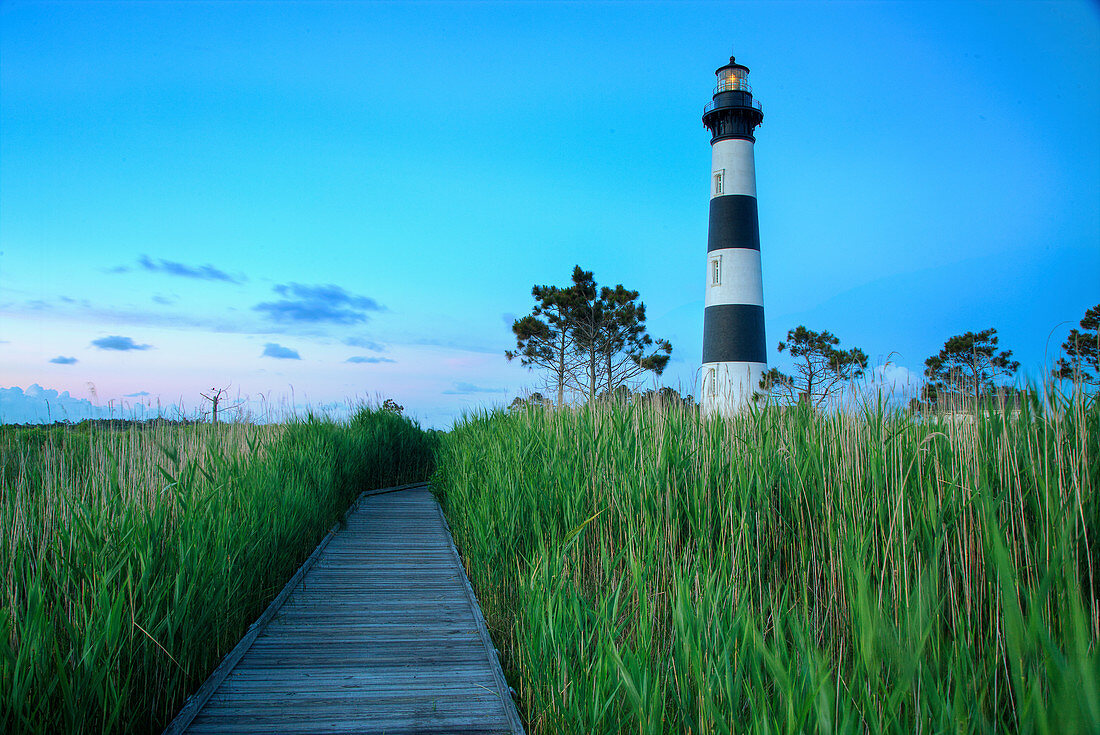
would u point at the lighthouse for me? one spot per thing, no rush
(734, 351)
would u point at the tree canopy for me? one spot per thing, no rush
(1081, 359)
(822, 369)
(666, 396)
(588, 339)
(544, 338)
(533, 400)
(968, 366)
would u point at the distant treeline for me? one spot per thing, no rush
(157, 422)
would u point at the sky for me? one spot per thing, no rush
(319, 203)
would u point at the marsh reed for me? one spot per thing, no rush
(135, 558)
(647, 571)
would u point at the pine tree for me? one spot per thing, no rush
(968, 365)
(544, 339)
(822, 368)
(588, 339)
(1081, 362)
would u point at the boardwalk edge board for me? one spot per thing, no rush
(504, 691)
(196, 701)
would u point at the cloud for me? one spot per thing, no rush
(118, 269)
(62, 360)
(222, 321)
(279, 352)
(39, 405)
(54, 305)
(508, 318)
(465, 389)
(166, 300)
(317, 304)
(139, 394)
(361, 359)
(365, 344)
(115, 342)
(202, 272)
(897, 377)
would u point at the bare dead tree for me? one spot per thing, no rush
(216, 398)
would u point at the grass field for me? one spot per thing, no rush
(644, 571)
(135, 558)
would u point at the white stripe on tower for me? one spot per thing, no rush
(738, 276)
(734, 157)
(734, 350)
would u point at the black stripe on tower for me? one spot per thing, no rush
(734, 333)
(734, 223)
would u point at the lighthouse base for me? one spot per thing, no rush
(729, 388)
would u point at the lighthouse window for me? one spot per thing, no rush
(716, 271)
(718, 176)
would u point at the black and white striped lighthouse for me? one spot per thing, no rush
(734, 352)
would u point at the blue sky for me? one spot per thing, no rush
(319, 201)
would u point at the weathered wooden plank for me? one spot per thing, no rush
(451, 660)
(382, 633)
(335, 581)
(381, 646)
(372, 726)
(409, 633)
(342, 697)
(277, 687)
(423, 627)
(400, 622)
(427, 710)
(320, 592)
(366, 613)
(362, 608)
(393, 677)
(430, 710)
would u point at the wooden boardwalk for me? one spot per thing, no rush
(379, 632)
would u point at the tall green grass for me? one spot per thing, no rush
(646, 571)
(135, 559)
